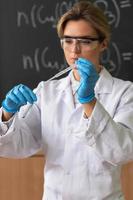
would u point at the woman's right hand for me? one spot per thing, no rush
(17, 97)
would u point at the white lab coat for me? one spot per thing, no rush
(83, 156)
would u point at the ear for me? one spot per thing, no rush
(104, 45)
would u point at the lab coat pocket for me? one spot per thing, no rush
(88, 156)
(99, 165)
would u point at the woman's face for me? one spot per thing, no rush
(73, 49)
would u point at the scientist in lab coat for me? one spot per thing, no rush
(83, 122)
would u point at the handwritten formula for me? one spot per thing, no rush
(29, 36)
(36, 16)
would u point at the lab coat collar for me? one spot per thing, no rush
(104, 83)
(65, 83)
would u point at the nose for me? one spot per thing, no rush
(75, 47)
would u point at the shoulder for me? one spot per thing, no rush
(121, 89)
(124, 89)
(122, 82)
(113, 88)
(122, 85)
(109, 83)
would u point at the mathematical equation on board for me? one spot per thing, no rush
(39, 60)
(113, 57)
(36, 17)
(112, 9)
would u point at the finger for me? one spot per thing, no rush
(83, 74)
(84, 61)
(28, 94)
(31, 93)
(12, 97)
(87, 66)
(19, 95)
(83, 67)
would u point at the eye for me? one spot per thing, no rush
(85, 41)
(68, 40)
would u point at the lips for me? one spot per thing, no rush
(73, 59)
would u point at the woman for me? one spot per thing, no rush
(83, 123)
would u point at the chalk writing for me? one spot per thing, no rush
(127, 56)
(38, 60)
(116, 58)
(125, 3)
(29, 40)
(33, 62)
(112, 9)
(35, 16)
(112, 58)
(112, 14)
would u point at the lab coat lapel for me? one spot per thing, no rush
(68, 98)
(66, 92)
(104, 84)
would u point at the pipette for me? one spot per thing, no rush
(53, 77)
(61, 72)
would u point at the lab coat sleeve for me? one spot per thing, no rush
(20, 137)
(112, 137)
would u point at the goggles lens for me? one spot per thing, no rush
(81, 43)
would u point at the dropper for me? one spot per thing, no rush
(53, 77)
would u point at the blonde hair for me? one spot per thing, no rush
(89, 12)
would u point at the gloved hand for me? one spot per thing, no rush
(17, 97)
(88, 79)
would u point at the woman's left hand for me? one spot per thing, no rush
(88, 79)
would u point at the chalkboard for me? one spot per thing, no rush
(30, 49)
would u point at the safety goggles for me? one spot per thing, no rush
(69, 43)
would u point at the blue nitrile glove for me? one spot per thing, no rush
(17, 97)
(88, 79)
